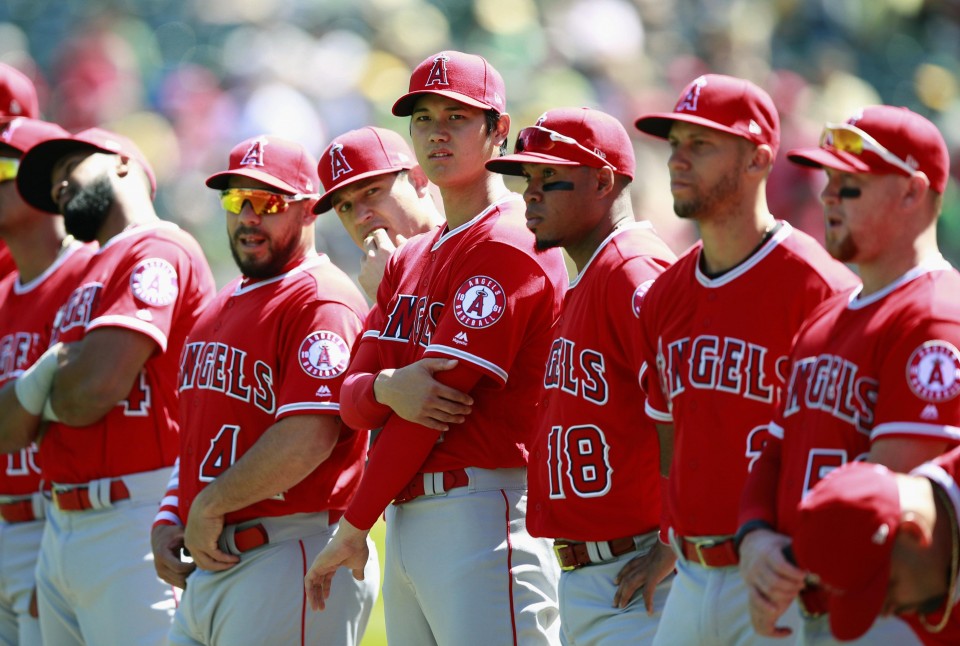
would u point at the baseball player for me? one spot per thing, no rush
(718, 373)
(469, 308)
(267, 467)
(18, 98)
(885, 543)
(49, 267)
(108, 387)
(594, 472)
(874, 374)
(381, 195)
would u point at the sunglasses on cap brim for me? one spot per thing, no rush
(537, 139)
(848, 138)
(8, 168)
(261, 201)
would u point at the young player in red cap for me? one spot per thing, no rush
(381, 195)
(18, 98)
(465, 309)
(108, 387)
(717, 327)
(874, 374)
(594, 463)
(883, 543)
(267, 467)
(49, 265)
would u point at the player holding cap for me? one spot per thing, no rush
(18, 98)
(266, 464)
(876, 373)
(108, 385)
(379, 192)
(49, 265)
(884, 543)
(467, 308)
(590, 459)
(719, 373)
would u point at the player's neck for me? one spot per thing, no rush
(36, 248)
(730, 241)
(126, 215)
(463, 202)
(897, 258)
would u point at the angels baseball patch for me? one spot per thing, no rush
(933, 371)
(154, 282)
(638, 295)
(479, 302)
(324, 355)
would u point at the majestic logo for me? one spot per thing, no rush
(254, 154)
(324, 355)
(479, 302)
(692, 98)
(338, 162)
(154, 282)
(461, 338)
(438, 73)
(638, 295)
(324, 392)
(933, 371)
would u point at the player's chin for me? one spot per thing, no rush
(543, 244)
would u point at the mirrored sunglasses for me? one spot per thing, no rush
(851, 139)
(537, 139)
(8, 168)
(261, 201)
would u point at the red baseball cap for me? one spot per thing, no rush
(18, 96)
(846, 530)
(34, 181)
(724, 103)
(22, 133)
(359, 154)
(463, 77)
(280, 163)
(897, 140)
(571, 137)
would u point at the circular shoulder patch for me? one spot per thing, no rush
(638, 295)
(479, 302)
(933, 371)
(324, 355)
(154, 281)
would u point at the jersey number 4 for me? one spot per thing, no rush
(222, 453)
(578, 457)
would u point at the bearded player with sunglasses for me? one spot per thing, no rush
(875, 374)
(108, 388)
(266, 465)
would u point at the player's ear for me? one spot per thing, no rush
(606, 181)
(762, 159)
(503, 129)
(308, 217)
(123, 165)
(917, 186)
(419, 180)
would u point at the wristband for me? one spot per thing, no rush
(33, 386)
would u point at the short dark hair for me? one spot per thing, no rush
(493, 118)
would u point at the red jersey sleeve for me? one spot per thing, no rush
(759, 499)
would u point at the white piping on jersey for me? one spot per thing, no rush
(936, 474)
(289, 408)
(138, 230)
(656, 415)
(370, 334)
(21, 288)
(939, 431)
(927, 267)
(775, 430)
(613, 234)
(509, 197)
(782, 234)
(130, 323)
(312, 260)
(472, 358)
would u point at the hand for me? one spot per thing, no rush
(773, 582)
(413, 394)
(201, 536)
(166, 541)
(377, 249)
(347, 548)
(644, 572)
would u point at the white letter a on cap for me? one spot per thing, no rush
(438, 73)
(338, 162)
(689, 102)
(254, 155)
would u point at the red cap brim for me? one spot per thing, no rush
(404, 105)
(511, 164)
(221, 180)
(659, 124)
(324, 203)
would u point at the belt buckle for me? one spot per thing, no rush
(698, 547)
(563, 568)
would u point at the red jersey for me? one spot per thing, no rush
(595, 454)
(720, 348)
(261, 352)
(26, 322)
(481, 294)
(152, 279)
(863, 368)
(7, 265)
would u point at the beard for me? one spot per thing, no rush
(709, 200)
(85, 213)
(543, 245)
(279, 254)
(843, 249)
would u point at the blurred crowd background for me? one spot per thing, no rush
(187, 79)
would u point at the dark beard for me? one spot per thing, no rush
(282, 252)
(728, 186)
(543, 245)
(85, 213)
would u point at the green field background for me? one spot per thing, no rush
(376, 634)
